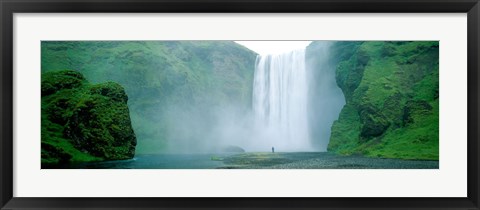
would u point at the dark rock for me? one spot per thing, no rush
(111, 90)
(415, 108)
(350, 74)
(55, 154)
(374, 123)
(57, 110)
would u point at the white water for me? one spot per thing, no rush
(280, 99)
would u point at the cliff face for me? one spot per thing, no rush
(84, 122)
(176, 89)
(391, 92)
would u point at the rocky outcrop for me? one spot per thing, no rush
(84, 122)
(391, 91)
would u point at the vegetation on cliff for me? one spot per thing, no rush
(83, 122)
(176, 89)
(391, 91)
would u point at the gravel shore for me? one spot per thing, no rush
(320, 160)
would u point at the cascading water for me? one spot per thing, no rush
(280, 100)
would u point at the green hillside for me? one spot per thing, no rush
(167, 81)
(392, 105)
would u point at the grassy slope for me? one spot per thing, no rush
(391, 89)
(160, 75)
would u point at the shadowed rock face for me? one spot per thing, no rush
(374, 123)
(82, 122)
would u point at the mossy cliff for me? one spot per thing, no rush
(84, 122)
(392, 99)
(176, 89)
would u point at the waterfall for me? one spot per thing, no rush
(280, 99)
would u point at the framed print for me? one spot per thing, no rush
(239, 105)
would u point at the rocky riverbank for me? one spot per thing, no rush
(319, 160)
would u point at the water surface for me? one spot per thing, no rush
(257, 160)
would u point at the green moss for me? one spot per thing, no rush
(349, 73)
(84, 122)
(345, 131)
(392, 100)
(56, 149)
(193, 76)
(417, 140)
(55, 81)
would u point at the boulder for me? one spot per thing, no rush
(84, 122)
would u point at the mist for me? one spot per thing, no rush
(294, 101)
(225, 105)
(326, 99)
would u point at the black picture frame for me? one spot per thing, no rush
(9, 7)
